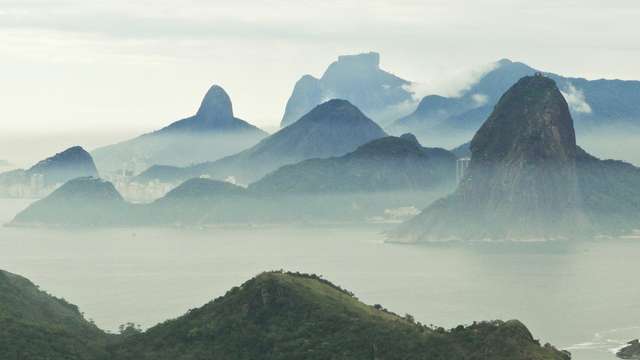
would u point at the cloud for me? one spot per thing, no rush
(576, 100)
(451, 83)
(479, 99)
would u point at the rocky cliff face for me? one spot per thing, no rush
(523, 157)
(521, 182)
(382, 96)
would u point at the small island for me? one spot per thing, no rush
(631, 351)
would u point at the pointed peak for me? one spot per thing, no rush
(532, 118)
(216, 105)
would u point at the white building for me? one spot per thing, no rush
(461, 168)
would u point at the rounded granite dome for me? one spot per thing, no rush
(216, 106)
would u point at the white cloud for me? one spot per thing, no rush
(479, 99)
(451, 83)
(576, 100)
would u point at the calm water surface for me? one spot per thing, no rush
(581, 297)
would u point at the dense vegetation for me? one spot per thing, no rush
(38, 326)
(296, 316)
(275, 315)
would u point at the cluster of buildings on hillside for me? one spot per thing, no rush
(33, 187)
(461, 168)
(140, 192)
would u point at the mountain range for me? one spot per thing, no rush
(213, 132)
(601, 108)
(333, 128)
(385, 173)
(527, 179)
(386, 164)
(358, 79)
(275, 315)
(594, 105)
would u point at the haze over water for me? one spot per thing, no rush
(581, 297)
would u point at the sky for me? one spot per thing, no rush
(114, 68)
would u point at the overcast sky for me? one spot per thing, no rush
(132, 66)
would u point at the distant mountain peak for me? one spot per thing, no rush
(532, 118)
(213, 132)
(216, 106)
(328, 111)
(68, 164)
(357, 78)
(370, 59)
(522, 181)
(73, 153)
(410, 137)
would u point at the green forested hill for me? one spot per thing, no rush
(280, 315)
(275, 315)
(37, 326)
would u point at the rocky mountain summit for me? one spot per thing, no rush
(213, 132)
(215, 114)
(358, 79)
